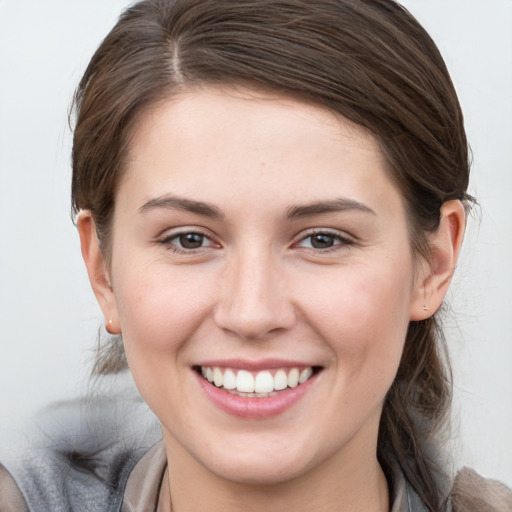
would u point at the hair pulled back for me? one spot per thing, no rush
(367, 60)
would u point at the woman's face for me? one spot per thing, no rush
(258, 240)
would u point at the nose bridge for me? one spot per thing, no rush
(253, 299)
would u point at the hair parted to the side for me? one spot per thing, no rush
(367, 60)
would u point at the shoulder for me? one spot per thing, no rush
(473, 493)
(11, 499)
(78, 452)
(470, 493)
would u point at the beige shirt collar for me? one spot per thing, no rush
(145, 484)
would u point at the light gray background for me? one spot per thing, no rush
(48, 315)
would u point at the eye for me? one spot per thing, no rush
(323, 240)
(190, 240)
(187, 241)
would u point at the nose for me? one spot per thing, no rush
(253, 301)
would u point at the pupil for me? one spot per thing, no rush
(191, 240)
(322, 241)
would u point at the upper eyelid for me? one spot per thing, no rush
(171, 233)
(343, 235)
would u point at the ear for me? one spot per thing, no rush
(436, 274)
(97, 271)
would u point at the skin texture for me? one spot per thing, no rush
(259, 289)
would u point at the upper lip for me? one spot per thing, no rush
(257, 365)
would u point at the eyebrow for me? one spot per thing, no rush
(171, 202)
(295, 212)
(340, 204)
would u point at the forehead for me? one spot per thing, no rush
(246, 140)
(192, 111)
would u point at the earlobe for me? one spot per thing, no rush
(97, 270)
(437, 273)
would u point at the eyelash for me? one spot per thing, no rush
(339, 241)
(168, 241)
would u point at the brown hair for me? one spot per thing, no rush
(367, 60)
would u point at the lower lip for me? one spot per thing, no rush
(255, 408)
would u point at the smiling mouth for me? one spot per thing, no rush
(260, 384)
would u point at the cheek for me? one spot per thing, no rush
(363, 316)
(158, 310)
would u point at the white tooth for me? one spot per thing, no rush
(280, 380)
(229, 380)
(264, 382)
(245, 382)
(203, 371)
(305, 374)
(217, 377)
(209, 374)
(293, 378)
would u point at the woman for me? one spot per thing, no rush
(271, 200)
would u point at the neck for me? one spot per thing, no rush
(333, 485)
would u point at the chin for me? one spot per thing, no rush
(259, 473)
(261, 466)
